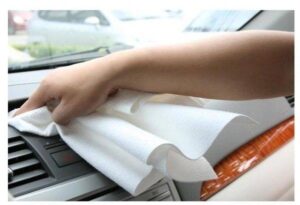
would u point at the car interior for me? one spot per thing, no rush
(42, 169)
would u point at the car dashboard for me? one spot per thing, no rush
(42, 168)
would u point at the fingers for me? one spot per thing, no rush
(64, 113)
(70, 108)
(36, 100)
(52, 104)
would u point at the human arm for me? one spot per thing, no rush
(232, 66)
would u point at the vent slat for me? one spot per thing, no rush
(27, 177)
(19, 155)
(291, 100)
(14, 138)
(161, 196)
(23, 164)
(14, 146)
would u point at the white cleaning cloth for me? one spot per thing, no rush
(136, 138)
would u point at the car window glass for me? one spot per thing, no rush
(54, 15)
(81, 16)
(103, 20)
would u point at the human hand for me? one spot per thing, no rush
(73, 91)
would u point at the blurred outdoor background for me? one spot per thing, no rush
(35, 35)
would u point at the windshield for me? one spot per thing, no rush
(34, 36)
(144, 14)
(214, 21)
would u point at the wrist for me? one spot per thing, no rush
(123, 67)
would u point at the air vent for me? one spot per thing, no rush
(23, 166)
(159, 192)
(291, 100)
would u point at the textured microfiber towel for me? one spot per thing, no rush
(138, 138)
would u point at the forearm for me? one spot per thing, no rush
(234, 66)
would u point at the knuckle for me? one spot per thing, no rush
(46, 83)
(49, 80)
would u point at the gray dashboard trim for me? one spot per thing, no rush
(83, 186)
(76, 187)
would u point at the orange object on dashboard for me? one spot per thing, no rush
(247, 156)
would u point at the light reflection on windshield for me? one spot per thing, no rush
(148, 14)
(40, 34)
